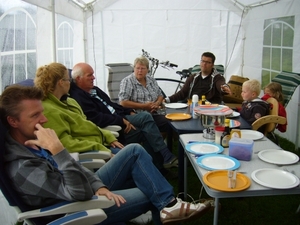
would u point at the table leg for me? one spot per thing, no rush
(170, 139)
(185, 177)
(180, 168)
(216, 211)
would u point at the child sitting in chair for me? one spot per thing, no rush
(253, 107)
(274, 90)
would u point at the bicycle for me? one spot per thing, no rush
(154, 63)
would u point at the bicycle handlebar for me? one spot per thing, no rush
(155, 63)
(168, 64)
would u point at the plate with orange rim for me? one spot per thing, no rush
(218, 180)
(178, 116)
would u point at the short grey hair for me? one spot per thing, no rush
(76, 72)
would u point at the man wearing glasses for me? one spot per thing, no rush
(208, 82)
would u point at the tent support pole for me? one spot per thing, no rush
(103, 52)
(53, 32)
(297, 129)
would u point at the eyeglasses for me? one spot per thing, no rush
(140, 68)
(67, 79)
(207, 62)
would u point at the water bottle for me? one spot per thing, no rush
(195, 100)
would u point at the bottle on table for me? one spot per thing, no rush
(203, 100)
(219, 130)
(225, 137)
(195, 100)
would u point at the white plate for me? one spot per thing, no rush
(275, 178)
(202, 148)
(279, 157)
(176, 105)
(233, 115)
(218, 162)
(251, 134)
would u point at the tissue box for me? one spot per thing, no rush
(240, 148)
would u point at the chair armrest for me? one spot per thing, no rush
(95, 155)
(88, 217)
(97, 202)
(113, 128)
(116, 134)
(92, 163)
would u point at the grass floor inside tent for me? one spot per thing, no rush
(265, 210)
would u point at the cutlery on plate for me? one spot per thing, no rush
(230, 176)
(233, 183)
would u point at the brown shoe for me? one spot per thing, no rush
(172, 163)
(183, 211)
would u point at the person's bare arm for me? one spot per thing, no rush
(136, 105)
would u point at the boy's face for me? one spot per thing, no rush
(247, 94)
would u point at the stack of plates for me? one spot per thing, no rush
(279, 157)
(203, 148)
(275, 178)
(251, 134)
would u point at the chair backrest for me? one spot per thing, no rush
(196, 68)
(235, 83)
(273, 110)
(9, 193)
(117, 71)
(289, 82)
(28, 82)
(268, 123)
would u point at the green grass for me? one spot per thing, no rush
(265, 210)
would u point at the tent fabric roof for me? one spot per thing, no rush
(76, 8)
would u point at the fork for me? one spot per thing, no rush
(286, 170)
(230, 176)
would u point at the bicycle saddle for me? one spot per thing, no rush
(184, 73)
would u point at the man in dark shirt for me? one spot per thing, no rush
(136, 127)
(208, 82)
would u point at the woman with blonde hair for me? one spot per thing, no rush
(66, 117)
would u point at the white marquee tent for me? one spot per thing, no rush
(251, 38)
(108, 31)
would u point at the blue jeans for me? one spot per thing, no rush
(132, 174)
(148, 133)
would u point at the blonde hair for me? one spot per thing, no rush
(47, 76)
(141, 60)
(253, 85)
(276, 90)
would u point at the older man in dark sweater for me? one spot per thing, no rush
(136, 127)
